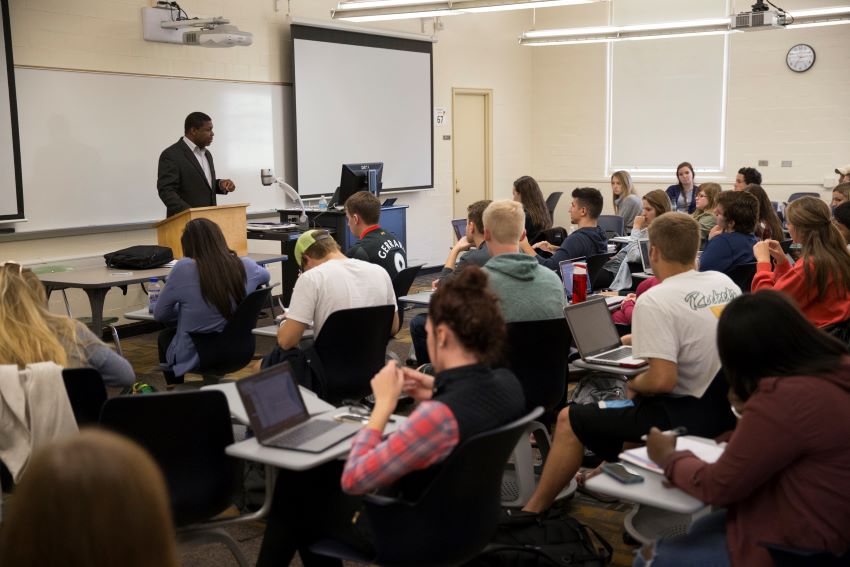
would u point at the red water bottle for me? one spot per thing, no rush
(579, 283)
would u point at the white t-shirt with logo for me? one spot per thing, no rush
(676, 320)
(337, 285)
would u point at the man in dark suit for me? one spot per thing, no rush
(186, 174)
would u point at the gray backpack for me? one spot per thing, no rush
(597, 387)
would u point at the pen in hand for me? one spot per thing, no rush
(675, 432)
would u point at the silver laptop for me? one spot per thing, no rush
(644, 255)
(459, 226)
(279, 417)
(596, 337)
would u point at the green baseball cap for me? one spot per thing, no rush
(306, 240)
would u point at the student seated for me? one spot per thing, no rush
(840, 194)
(96, 499)
(201, 294)
(841, 220)
(478, 256)
(329, 282)
(783, 477)
(674, 329)
(627, 202)
(30, 333)
(526, 290)
(747, 176)
(704, 212)
(683, 194)
(466, 333)
(376, 245)
(730, 243)
(623, 315)
(768, 226)
(588, 240)
(527, 192)
(615, 272)
(819, 282)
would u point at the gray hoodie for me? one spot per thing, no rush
(527, 291)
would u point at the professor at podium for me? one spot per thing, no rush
(186, 174)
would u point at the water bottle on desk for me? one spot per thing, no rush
(580, 286)
(154, 287)
(323, 203)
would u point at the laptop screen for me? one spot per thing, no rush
(460, 228)
(591, 326)
(272, 400)
(644, 255)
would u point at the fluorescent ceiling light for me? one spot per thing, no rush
(604, 34)
(819, 12)
(817, 24)
(376, 10)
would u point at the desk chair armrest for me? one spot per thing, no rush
(262, 512)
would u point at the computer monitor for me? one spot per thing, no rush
(358, 177)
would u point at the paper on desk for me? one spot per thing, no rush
(705, 449)
(269, 226)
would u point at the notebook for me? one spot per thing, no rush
(279, 417)
(596, 337)
(644, 255)
(705, 449)
(459, 226)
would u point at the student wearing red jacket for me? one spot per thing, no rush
(783, 478)
(819, 282)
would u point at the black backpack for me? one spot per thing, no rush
(553, 539)
(139, 257)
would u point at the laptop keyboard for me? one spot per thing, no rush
(304, 433)
(618, 354)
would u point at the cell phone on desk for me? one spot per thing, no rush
(619, 472)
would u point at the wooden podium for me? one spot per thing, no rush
(232, 219)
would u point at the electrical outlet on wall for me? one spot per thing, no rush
(786, 163)
(763, 163)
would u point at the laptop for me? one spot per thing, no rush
(459, 226)
(279, 417)
(644, 256)
(389, 202)
(565, 270)
(596, 337)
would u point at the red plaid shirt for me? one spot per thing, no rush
(427, 437)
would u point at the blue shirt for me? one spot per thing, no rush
(727, 250)
(581, 243)
(181, 301)
(675, 190)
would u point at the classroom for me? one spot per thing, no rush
(97, 104)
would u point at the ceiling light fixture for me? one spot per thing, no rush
(377, 10)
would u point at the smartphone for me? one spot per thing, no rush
(620, 473)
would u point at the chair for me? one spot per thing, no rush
(742, 275)
(543, 374)
(351, 348)
(453, 519)
(779, 208)
(614, 225)
(86, 393)
(555, 235)
(594, 266)
(401, 286)
(795, 196)
(552, 202)
(233, 347)
(186, 434)
(789, 557)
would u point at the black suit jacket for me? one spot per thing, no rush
(181, 181)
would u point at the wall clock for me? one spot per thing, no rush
(800, 58)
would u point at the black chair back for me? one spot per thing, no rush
(351, 348)
(555, 235)
(613, 225)
(232, 348)
(86, 393)
(401, 286)
(543, 372)
(742, 275)
(594, 266)
(786, 245)
(186, 434)
(795, 196)
(454, 518)
(783, 556)
(552, 202)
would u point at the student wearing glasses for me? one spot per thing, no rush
(704, 213)
(30, 333)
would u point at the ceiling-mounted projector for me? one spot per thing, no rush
(760, 18)
(219, 36)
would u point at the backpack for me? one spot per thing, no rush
(139, 257)
(597, 387)
(553, 539)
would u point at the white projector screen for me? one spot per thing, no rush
(11, 193)
(361, 98)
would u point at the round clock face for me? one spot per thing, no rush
(800, 58)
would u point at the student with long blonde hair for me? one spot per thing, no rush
(704, 213)
(627, 203)
(30, 333)
(94, 500)
(819, 282)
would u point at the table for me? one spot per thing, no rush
(96, 282)
(271, 331)
(627, 372)
(651, 492)
(423, 298)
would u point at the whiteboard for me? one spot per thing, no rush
(90, 143)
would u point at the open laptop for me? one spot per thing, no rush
(459, 226)
(279, 417)
(596, 337)
(644, 256)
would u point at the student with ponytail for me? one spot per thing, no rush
(819, 282)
